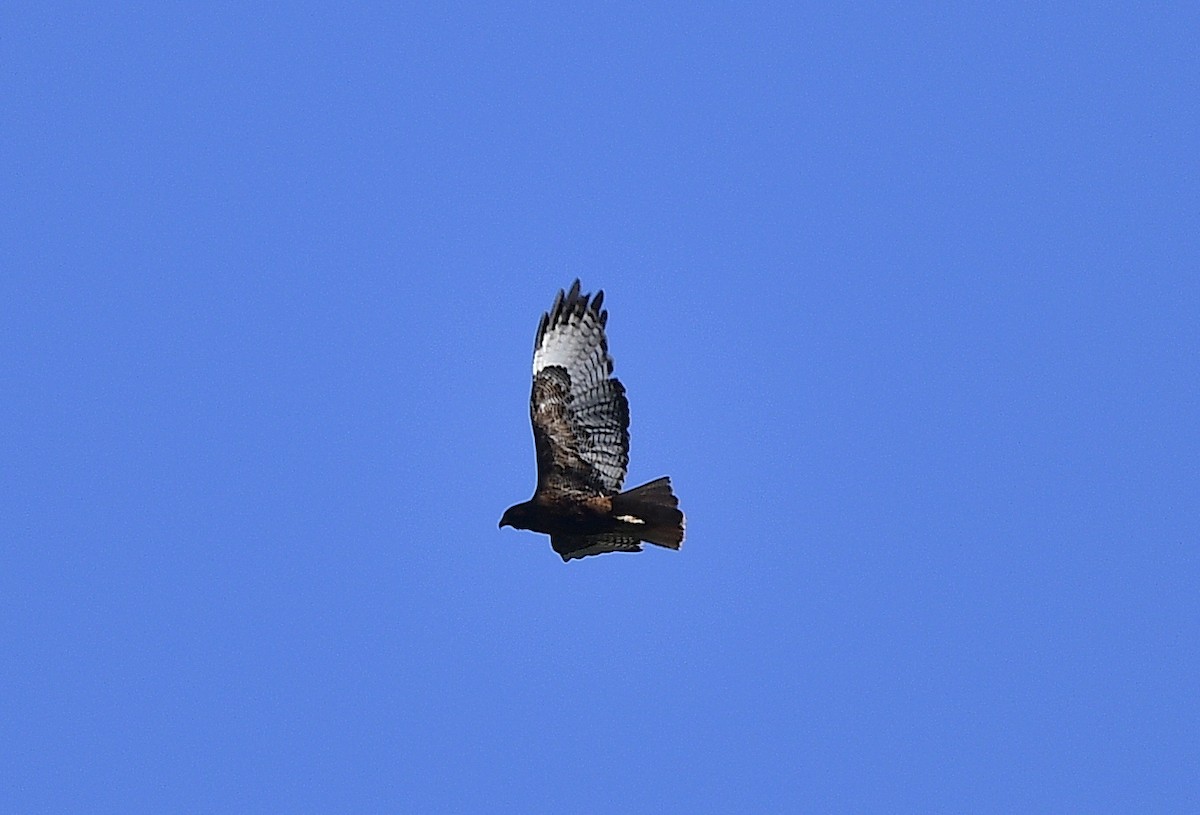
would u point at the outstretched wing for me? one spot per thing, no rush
(570, 547)
(580, 415)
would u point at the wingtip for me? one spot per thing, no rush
(572, 302)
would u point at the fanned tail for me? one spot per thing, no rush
(651, 513)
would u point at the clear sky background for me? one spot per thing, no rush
(906, 302)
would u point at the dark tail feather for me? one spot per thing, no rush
(651, 512)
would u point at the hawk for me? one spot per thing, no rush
(581, 434)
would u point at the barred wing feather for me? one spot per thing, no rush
(570, 547)
(579, 412)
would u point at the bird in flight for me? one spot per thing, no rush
(580, 422)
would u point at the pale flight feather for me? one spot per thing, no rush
(571, 338)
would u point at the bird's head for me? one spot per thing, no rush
(516, 516)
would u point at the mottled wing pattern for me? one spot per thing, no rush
(576, 546)
(580, 415)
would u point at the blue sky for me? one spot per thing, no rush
(906, 304)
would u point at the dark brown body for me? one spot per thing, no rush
(647, 513)
(544, 514)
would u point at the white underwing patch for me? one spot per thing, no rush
(630, 519)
